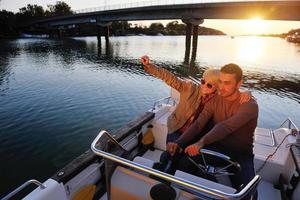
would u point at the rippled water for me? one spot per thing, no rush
(55, 95)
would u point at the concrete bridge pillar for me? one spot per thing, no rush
(195, 42)
(188, 33)
(103, 30)
(61, 32)
(56, 32)
(192, 25)
(53, 33)
(99, 40)
(98, 34)
(106, 34)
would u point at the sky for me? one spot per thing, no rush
(231, 27)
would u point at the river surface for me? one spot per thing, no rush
(56, 95)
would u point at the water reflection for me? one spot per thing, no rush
(287, 86)
(5, 71)
(69, 53)
(282, 85)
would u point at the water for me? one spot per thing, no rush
(56, 95)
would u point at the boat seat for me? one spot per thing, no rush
(266, 190)
(160, 128)
(263, 147)
(128, 184)
(264, 136)
(153, 155)
(201, 181)
(143, 161)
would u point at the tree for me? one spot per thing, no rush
(209, 31)
(174, 28)
(31, 11)
(60, 8)
(120, 28)
(294, 31)
(7, 23)
(156, 28)
(13, 24)
(138, 29)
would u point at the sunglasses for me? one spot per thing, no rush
(208, 85)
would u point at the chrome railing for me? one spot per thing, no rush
(290, 124)
(200, 188)
(24, 185)
(112, 139)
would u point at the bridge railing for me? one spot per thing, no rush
(107, 7)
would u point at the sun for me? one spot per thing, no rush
(255, 26)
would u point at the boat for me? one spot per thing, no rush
(119, 166)
(40, 36)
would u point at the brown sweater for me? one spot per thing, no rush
(235, 124)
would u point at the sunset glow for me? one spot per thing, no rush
(254, 26)
(251, 49)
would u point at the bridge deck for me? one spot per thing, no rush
(270, 10)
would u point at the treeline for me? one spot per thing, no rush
(293, 32)
(172, 28)
(284, 35)
(12, 23)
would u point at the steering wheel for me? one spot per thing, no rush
(214, 170)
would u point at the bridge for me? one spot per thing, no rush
(191, 12)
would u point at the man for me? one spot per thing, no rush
(234, 128)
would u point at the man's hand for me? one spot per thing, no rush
(194, 149)
(145, 60)
(172, 147)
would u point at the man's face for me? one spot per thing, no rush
(228, 84)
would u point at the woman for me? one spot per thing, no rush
(192, 96)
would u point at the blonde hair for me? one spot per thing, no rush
(214, 74)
